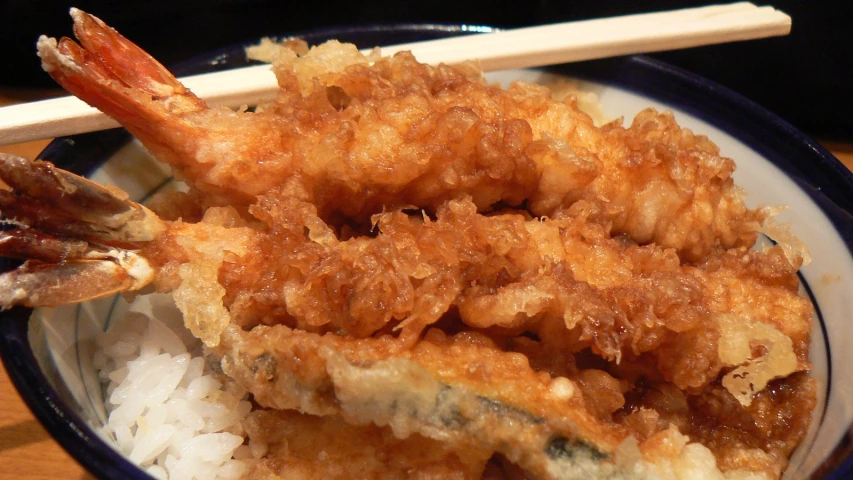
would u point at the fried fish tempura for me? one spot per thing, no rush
(308, 447)
(464, 391)
(459, 390)
(410, 250)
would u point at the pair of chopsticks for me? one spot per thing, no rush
(519, 48)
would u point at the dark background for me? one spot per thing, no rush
(807, 77)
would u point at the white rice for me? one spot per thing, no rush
(167, 413)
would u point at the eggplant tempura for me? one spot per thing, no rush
(478, 282)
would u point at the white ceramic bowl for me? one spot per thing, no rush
(49, 355)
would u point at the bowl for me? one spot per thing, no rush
(48, 354)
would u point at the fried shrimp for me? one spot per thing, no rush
(564, 279)
(356, 134)
(400, 254)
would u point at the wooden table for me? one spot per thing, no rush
(26, 449)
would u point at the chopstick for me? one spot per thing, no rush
(506, 49)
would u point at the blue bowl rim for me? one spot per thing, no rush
(812, 167)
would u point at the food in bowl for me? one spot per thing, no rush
(401, 256)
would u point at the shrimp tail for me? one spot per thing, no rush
(92, 273)
(37, 194)
(77, 238)
(112, 74)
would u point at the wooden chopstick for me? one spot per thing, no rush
(518, 48)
